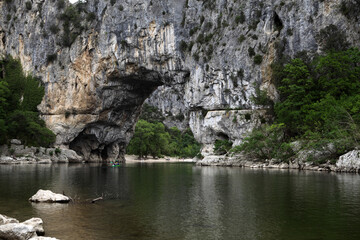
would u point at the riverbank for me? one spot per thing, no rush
(135, 159)
(349, 162)
(16, 153)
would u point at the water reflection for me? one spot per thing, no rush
(182, 201)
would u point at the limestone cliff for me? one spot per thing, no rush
(192, 59)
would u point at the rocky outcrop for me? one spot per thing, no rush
(49, 197)
(16, 153)
(43, 238)
(194, 60)
(349, 162)
(11, 229)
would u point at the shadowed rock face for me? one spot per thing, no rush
(134, 50)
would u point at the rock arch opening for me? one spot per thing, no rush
(121, 99)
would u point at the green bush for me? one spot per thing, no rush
(240, 18)
(251, 52)
(241, 38)
(60, 4)
(258, 59)
(266, 142)
(222, 146)
(183, 46)
(57, 151)
(333, 39)
(72, 17)
(90, 17)
(261, 98)
(155, 140)
(350, 9)
(54, 29)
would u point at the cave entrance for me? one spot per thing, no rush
(121, 101)
(222, 136)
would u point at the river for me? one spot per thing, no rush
(183, 201)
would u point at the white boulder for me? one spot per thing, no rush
(49, 196)
(17, 231)
(349, 162)
(43, 238)
(37, 224)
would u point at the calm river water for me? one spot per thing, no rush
(182, 201)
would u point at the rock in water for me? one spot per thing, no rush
(49, 196)
(10, 229)
(17, 231)
(349, 162)
(5, 220)
(43, 238)
(37, 224)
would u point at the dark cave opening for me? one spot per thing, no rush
(222, 136)
(278, 24)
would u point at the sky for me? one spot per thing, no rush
(72, 1)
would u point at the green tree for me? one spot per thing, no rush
(4, 95)
(19, 98)
(155, 140)
(28, 127)
(303, 87)
(319, 105)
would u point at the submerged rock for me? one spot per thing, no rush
(49, 196)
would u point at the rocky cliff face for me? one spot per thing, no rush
(194, 60)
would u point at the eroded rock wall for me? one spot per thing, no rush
(200, 53)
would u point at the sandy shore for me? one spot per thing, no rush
(133, 158)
